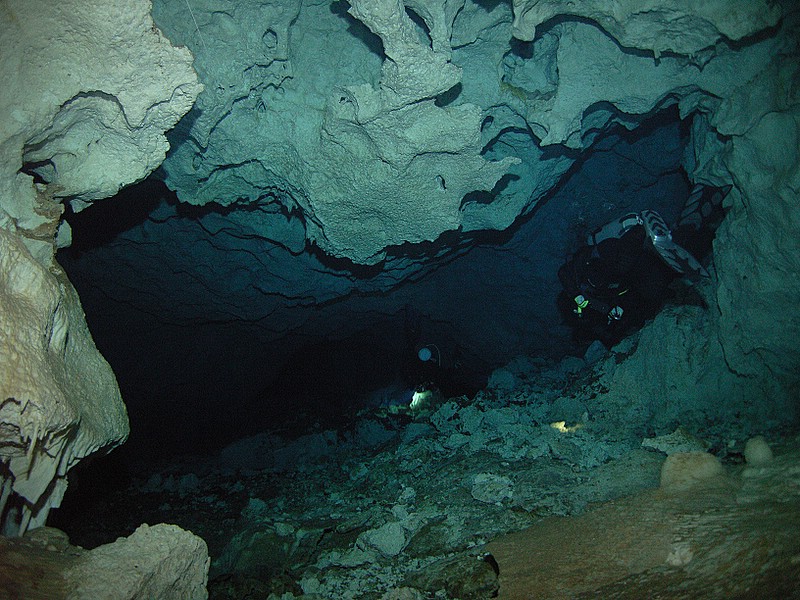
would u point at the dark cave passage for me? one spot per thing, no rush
(188, 315)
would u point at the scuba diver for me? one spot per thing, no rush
(434, 364)
(622, 276)
(435, 371)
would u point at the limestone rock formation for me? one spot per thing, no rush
(82, 113)
(757, 249)
(724, 536)
(59, 400)
(89, 90)
(307, 152)
(364, 160)
(751, 138)
(419, 126)
(162, 561)
(677, 26)
(597, 83)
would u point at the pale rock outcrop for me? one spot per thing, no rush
(82, 110)
(162, 561)
(59, 400)
(89, 89)
(158, 562)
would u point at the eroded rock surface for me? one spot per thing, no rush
(676, 26)
(83, 112)
(727, 536)
(59, 400)
(354, 145)
(162, 561)
(90, 88)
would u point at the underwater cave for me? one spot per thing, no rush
(373, 299)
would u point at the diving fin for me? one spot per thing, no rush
(677, 258)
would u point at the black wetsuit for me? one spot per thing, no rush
(620, 272)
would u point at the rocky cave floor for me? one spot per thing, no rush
(403, 505)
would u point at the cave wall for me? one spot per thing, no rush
(742, 349)
(355, 146)
(756, 252)
(89, 90)
(204, 338)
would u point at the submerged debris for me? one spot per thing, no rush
(403, 503)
